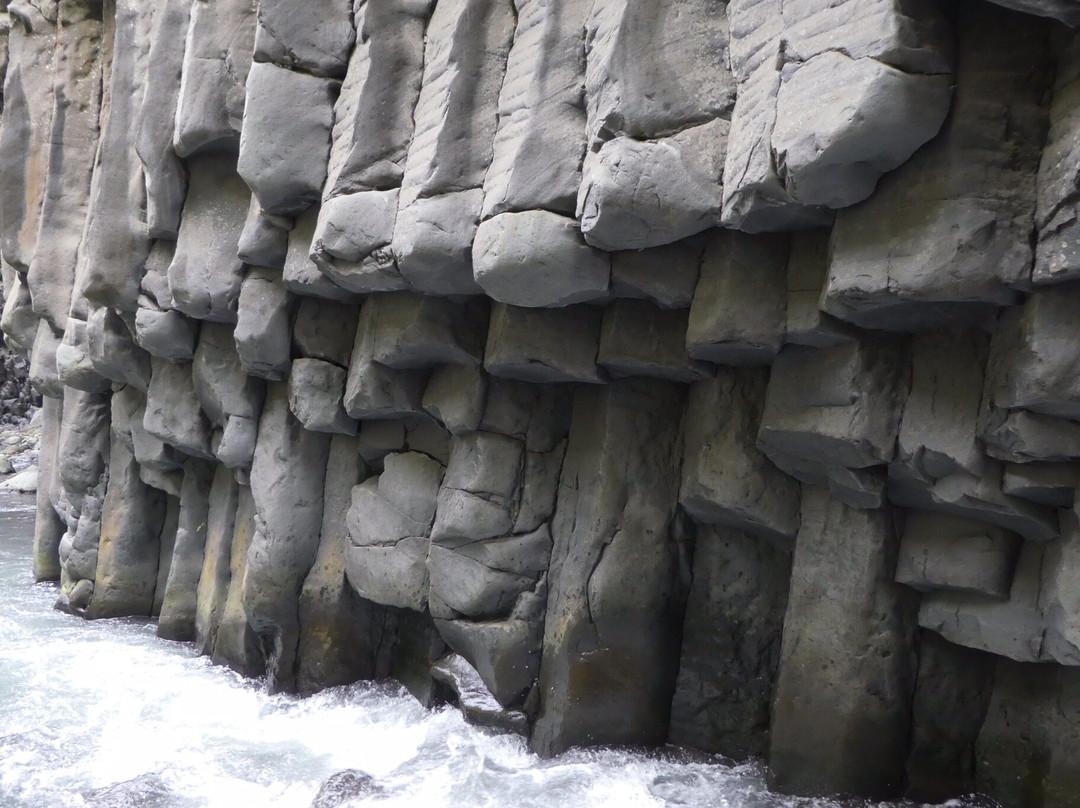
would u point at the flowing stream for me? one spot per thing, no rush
(104, 714)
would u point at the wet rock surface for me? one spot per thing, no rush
(628, 373)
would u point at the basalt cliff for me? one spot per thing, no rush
(652, 371)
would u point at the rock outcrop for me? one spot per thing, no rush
(689, 371)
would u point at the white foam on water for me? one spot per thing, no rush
(86, 705)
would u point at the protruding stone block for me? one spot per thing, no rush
(940, 552)
(315, 396)
(639, 339)
(1013, 628)
(737, 317)
(455, 396)
(538, 259)
(636, 195)
(836, 406)
(262, 332)
(285, 140)
(725, 478)
(205, 274)
(544, 345)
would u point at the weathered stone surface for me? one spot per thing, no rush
(221, 385)
(636, 195)
(540, 141)
(473, 697)
(478, 496)
(665, 275)
(737, 317)
(793, 152)
(313, 38)
(1019, 436)
(262, 332)
(167, 335)
(316, 389)
(285, 140)
(173, 412)
(342, 638)
(388, 61)
(1027, 750)
(28, 122)
(939, 552)
(72, 144)
(205, 274)
(218, 559)
(505, 653)
(982, 498)
(952, 239)
(264, 241)
(639, 339)
(179, 606)
(389, 523)
(483, 580)
(116, 242)
(48, 526)
(602, 614)
(455, 396)
(418, 331)
(730, 644)
(351, 243)
(113, 351)
(456, 114)
(1058, 596)
(538, 258)
(19, 322)
(43, 372)
(166, 179)
(373, 390)
(237, 644)
(301, 275)
(725, 478)
(951, 699)
(1056, 257)
(544, 345)
(132, 518)
(842, 597)
(807, 271)
(1012, 628)
(73, 363)
(1034, 373)
(1052, 484)
(838, 406)
(210, 109)
(287, 477)
(939, 430)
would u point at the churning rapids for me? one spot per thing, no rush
(86, 706)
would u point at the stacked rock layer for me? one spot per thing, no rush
(677, 371)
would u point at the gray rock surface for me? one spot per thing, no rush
(841, 596)
(734, 616)
(602, 615)
(430, 340)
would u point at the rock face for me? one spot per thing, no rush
(689, 371)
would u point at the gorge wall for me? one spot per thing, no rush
(696, 371)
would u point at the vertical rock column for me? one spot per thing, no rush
(611, 634)
(529, 250)
(842, 703)
(657, 121)
(287, 478)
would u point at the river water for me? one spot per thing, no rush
(104, 714)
